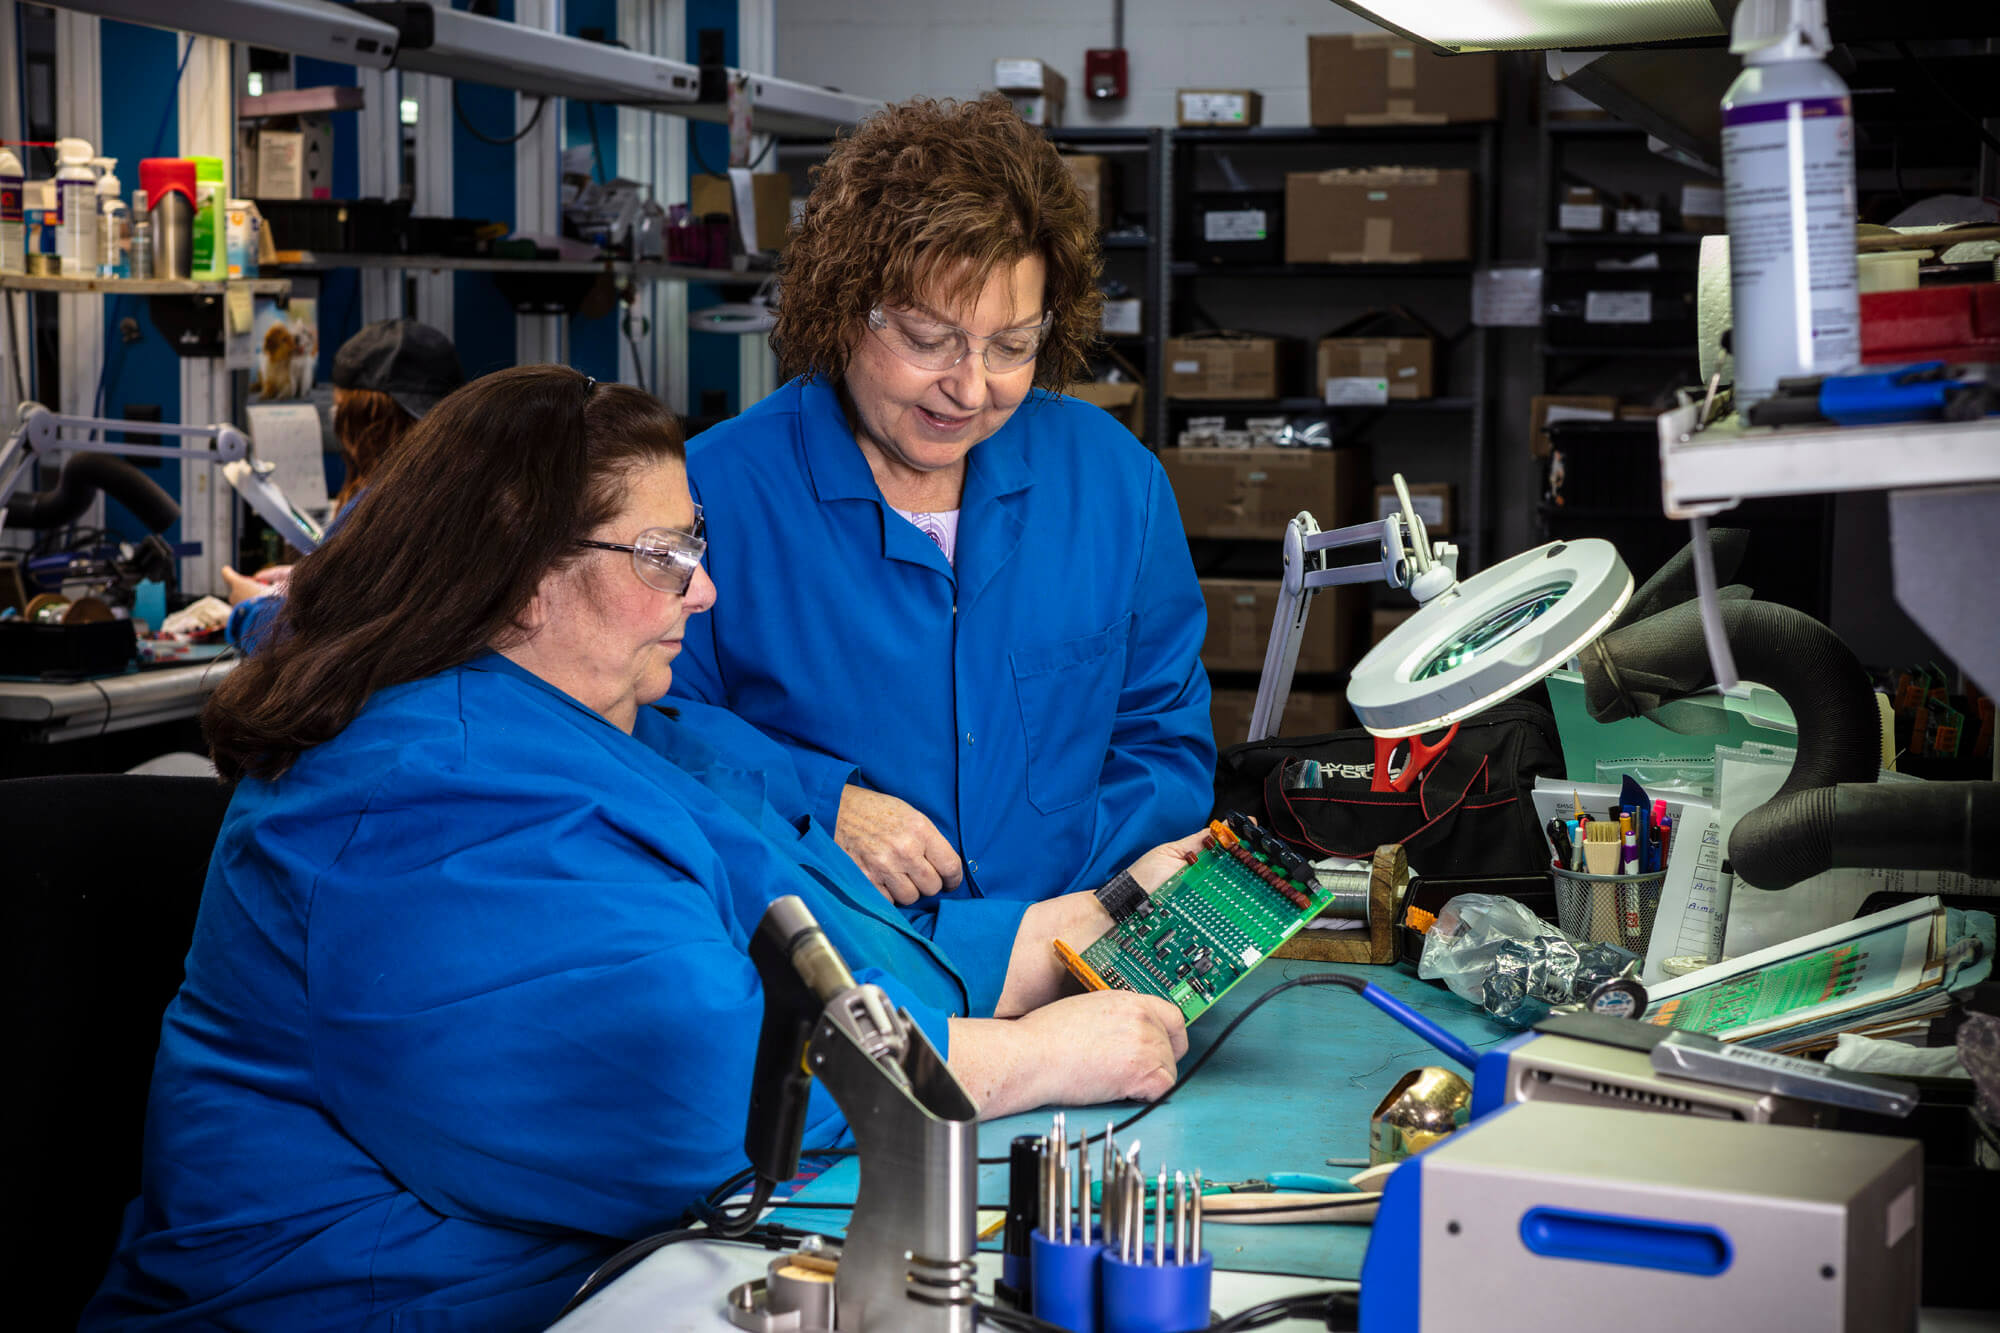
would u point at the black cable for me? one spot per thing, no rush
(1355, 984)
(1943, 94)
(1013, 1321)
(596, 150)
(770, 1236)
(1324, 1305)
(694, 146)
(459, 110)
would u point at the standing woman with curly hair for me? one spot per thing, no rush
(963, 600)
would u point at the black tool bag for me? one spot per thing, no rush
(1468, 814)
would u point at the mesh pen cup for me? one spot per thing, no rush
(1608, 909)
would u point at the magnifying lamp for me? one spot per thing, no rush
(1470, 644)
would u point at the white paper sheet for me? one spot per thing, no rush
(1759, 918)
(1686, 920)
(287, 435)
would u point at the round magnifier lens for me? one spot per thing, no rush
(1496, 628)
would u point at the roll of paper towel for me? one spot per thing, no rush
(1711, 310)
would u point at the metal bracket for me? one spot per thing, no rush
(38, 433)
(1406, 559)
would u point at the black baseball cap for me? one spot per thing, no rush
(413, 363)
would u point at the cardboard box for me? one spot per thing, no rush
(1378, 215)
(1123, 315)
(1701, 209)
(1580, 210)
(1240, 612)
(1255, 492)
(1218, 108)
(1547, 407)
(1307, 713)
(1036, 90)
(290, 160)
(770, 191)
(1382, 622)
(1091, 174)
(1232, 365)
(1403, 365)
(1388, 80)
(1127, 402)
(1431, 499)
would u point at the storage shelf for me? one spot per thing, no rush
(1728, 462)
(1317, 405)
(311, 262)
(1612, 352)
(1336, 134)
(1119, 136)
(1623, 239)
(143, 286)
(1188, 269)
(1125, 242)
(1591, 127)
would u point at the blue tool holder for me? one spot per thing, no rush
(1065, 1284)
(1155, 1298)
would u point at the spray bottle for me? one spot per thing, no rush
(1788, 178)
(114, 227)
(142, 236)
(76, 209)
(13, 215)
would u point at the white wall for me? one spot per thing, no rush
(894, 49)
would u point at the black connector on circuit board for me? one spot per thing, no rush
(1273, 847)
(1122, 896)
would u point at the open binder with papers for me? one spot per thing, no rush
(1885, 974)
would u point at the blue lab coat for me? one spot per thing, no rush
(469, 1006)
(1043, 702)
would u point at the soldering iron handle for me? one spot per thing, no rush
(1423, 1027)
(780, 1087)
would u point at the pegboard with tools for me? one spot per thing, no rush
(1205, 929)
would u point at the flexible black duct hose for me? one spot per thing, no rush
(82, 477)
(1791, 836)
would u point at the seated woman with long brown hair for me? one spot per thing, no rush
(469, 1003)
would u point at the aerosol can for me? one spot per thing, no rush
(13, 214)
(1788, 178)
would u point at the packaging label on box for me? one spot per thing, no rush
(1121, 316)
(1249, 224)
(1215, 108)
(1507, 297)
(1639, 221)
(1580, 217)
(1618, 308)
(1356, 389)
(1018, 75)
(1701, 201)
(1428, 504)
(1187, 367)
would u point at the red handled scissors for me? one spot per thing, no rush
(1420, 757)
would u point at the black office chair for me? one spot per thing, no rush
(101, 882)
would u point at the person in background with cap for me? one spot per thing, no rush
(385, 378)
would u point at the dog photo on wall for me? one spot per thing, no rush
(287, 339)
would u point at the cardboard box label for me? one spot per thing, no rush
(1357, 389)
(1018, 75)
(1428, 504)
(1121, 316)
(1618, 308)
(1639, 221)
(1248, 224)
(1215, 108)
(1187, 367)
(1701, 201)
(1580, 217)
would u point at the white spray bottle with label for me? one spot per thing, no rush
(1788, 197)
(114, 228)
(76, 208)
(13, 215)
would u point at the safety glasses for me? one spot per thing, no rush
(930, 344)
(664, 558)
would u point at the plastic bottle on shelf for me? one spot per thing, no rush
(76, 208)
(211, 237)
(1788, 198)
(13, 214)
(114, 224)
(142, 236)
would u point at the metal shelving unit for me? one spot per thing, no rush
(15, 282)
(314, 262)
(1482, 140)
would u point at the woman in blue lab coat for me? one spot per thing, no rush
(469, 1003)
(963, 601)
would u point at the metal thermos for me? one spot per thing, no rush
(173, 237)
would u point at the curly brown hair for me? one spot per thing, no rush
(926, 199)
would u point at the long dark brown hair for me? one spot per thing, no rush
(440, 558)
(369, 424)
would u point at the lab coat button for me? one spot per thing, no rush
(968, 738)
(973, 866)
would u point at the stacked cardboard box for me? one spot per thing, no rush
(1378, 215)
(1255, 492)
(1390, 80)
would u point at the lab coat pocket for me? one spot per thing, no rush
(1068, 692)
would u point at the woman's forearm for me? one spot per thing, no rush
(1035, 976)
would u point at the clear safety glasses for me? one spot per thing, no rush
(664, 558)
(929, 344)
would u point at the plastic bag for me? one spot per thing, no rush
(1495, 953)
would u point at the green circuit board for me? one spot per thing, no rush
(1204, 930)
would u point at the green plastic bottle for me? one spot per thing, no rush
(211, 197)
